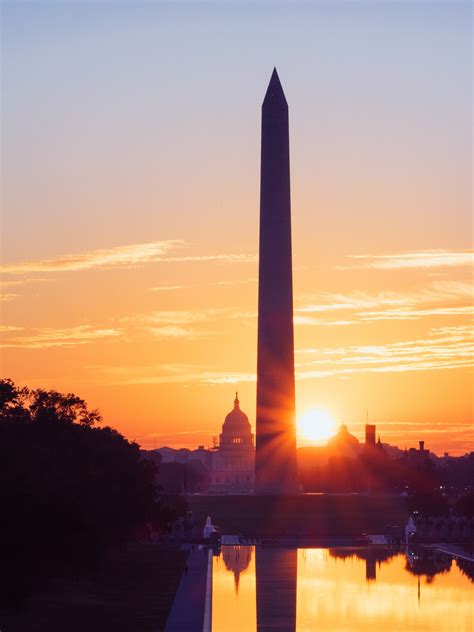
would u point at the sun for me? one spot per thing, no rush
(316, 424)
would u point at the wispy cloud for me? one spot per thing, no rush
(121, 256)
(442, 298)
(443, 348)
(238, 282)
(184, 324)
(9, 296)
(174, 317)
(329, 302)
(173, 374)
(225, 258)
(19, 282)
(414, 314)
(173, 331)
(229, 378)
(419, 259)
(166, 288)
(49, 337)
(311, 320)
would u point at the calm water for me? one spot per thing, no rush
(340, 589)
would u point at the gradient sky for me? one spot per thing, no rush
(130, 192)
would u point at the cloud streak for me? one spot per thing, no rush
(121, 256)
(7, 328)
(442, 298)
(174, 317)
(49, 337)
(225, 258)
(173, 374)
(172, 331)
(166, 288)
(443, 348)
(311, 320)
(129, 256)
(420, 259)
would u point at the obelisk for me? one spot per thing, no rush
(275, 464)
(276, 573)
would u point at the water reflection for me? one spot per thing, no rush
(340, 589)
(276, 589)
(371, 556)
(428, 563)
(237, 560)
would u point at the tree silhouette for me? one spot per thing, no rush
(69, 490)
(465, 504)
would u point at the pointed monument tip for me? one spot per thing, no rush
(275, 76)
(275, 89)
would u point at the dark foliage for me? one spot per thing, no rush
(428, 504)
(68, 490)
(166, 510)
(465, 505)
(176, 478)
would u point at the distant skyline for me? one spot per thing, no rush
(130, 200)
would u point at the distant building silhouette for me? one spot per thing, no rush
(233, 463)
(237, 559)
(343, 465)
(370, 435)
(344, 443)
(276, 437)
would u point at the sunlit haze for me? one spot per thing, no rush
(315, 426)
(130, 207)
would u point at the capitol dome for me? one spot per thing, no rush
(236, 429)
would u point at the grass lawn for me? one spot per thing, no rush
(132, 591)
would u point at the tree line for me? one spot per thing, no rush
(70, 489)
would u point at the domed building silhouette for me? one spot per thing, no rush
(237, 560)
(343, 443)
(233, 462)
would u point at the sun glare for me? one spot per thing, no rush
(316, 425)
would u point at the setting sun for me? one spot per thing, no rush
(316, 424)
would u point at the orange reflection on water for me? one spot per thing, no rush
(334, 594)
(340, 589)
(234, 606)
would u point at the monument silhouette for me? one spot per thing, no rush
(275, 464)
(276, 585)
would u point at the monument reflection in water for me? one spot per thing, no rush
(330, 589)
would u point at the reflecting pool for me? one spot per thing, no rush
(344, 589)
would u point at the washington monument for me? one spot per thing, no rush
(275, 465)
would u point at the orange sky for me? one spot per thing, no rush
(130, 219)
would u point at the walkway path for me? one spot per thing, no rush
(455, 551)
(191, 609)
(230, 539)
